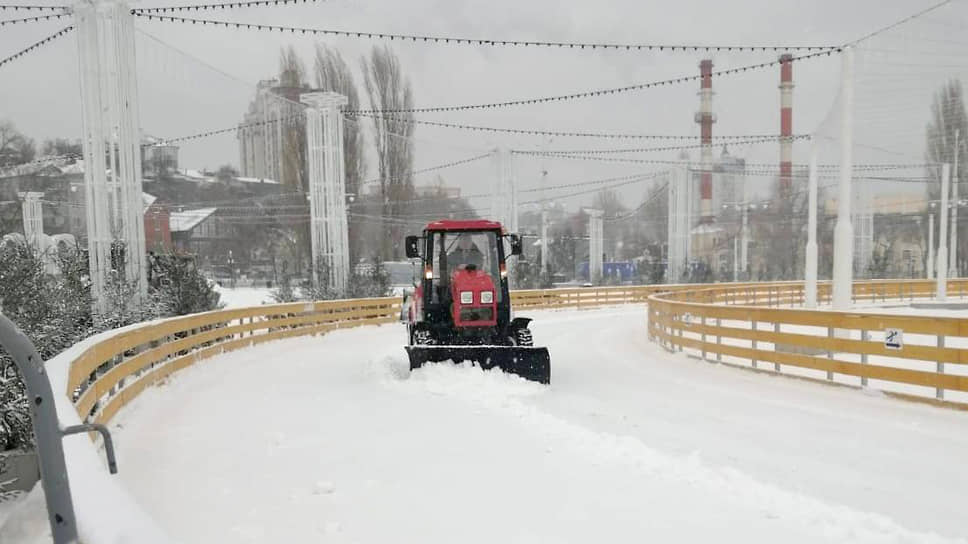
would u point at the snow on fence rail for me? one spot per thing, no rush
(907, 355)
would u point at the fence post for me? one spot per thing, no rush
(830, 352)
(753, 323)
(776, 329)
(939, 391)
(865, 337)
(719, 340)
(702, 323)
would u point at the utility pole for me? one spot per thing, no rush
(595, 235)
(941, 287)
(953, 260)
(930, 269)
(844, 231)
(810, 273)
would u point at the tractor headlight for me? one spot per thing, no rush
(487, 297)
(466, 297)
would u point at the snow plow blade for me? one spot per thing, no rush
(530, 363)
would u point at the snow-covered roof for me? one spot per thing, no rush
(188, 219)
(257, 180)
(147, 200)
(707, 228)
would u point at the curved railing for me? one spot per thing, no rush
(753, 325)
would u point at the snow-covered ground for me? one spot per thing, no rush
(241, 297)
(330, 438)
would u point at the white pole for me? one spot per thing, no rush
(844, 231)
(810, 274)
(953, 260)
(544, 242)
(942, 283)
(736, 258)
(744, 243)
(930, 269)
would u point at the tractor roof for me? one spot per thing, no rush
(463, 224)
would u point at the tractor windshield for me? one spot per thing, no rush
(453, 251)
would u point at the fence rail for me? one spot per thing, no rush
(759, 324)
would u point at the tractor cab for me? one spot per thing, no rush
(464, 283)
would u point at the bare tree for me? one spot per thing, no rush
(388, 89)
(333, 74)
(15, 148)
(292, 82)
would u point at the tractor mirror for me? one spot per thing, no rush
(516, 247)
(413, 247)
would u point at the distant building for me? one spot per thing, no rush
(158, 229)
(158, 159)
(263, 134)
(195, 231)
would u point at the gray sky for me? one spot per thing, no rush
(181, 94)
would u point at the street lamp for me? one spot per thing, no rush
(740, 248)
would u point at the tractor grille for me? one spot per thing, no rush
(477, 314)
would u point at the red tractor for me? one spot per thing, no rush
(461, 309)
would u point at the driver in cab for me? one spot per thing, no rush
(466, 253)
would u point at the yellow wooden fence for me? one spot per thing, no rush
(720, 320)
(759, 324)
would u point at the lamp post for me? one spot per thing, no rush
(742, 252)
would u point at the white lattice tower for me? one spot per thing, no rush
(111, 138)
(327, 186)
(595, 235)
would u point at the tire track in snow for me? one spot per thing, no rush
(509, 396)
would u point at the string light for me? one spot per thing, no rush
(34, 19)
(752, 140)
(555, 133)
(206, 7)
(15, 7)
(600, 92)
(492, 42)
(431, 169)
(46, 40)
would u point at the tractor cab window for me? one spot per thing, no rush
(453, 251)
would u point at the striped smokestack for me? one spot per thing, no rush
(786, 123)
(706, 120)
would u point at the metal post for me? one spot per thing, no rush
(941, 286)
(544, 241)
(50, 449)
(810, 274)
(844, 231)
(953, 259)
(744, 244)
(595, 245)
(736, 259)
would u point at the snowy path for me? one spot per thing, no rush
(327, 439)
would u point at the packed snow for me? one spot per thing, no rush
(243, 297)
(331, 438)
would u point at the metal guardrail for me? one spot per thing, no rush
(760, 324)
(48, 432)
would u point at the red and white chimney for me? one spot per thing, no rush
(786, 123)
(705, 119)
